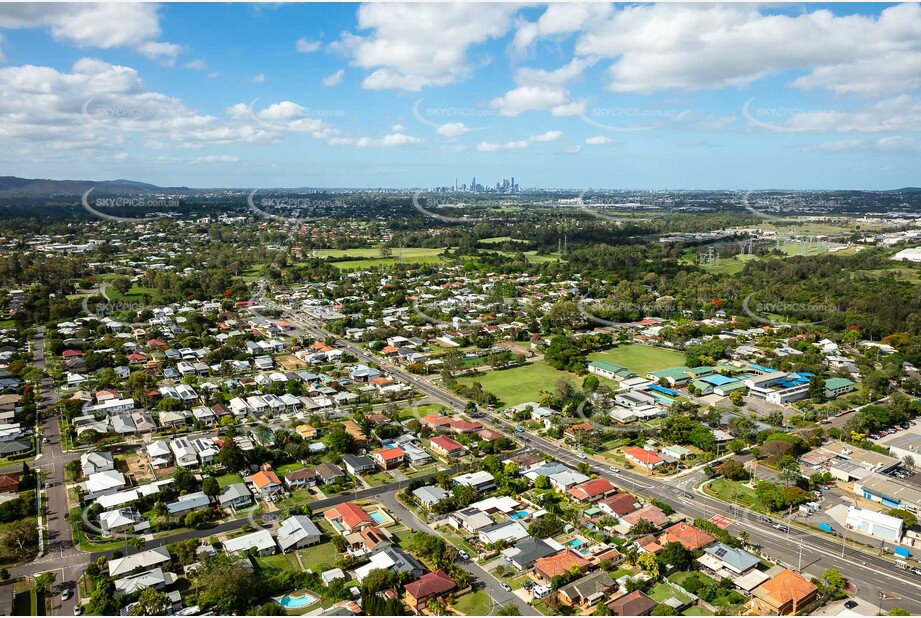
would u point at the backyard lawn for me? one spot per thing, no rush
(318, 557)
(229, 479)
(640, 358)
(519, 384)
(281, 562)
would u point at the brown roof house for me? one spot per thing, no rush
(634, 604)
(430, 586)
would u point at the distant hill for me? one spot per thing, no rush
(12, 186)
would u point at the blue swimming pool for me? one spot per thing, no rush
(377, 517)
(290, 602)
(575, 543)
(519, 515)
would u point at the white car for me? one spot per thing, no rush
(506, 587)
(463, 554)
(614, 469)
(581, 455)
(66, 594)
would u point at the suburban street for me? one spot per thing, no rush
(799, 550)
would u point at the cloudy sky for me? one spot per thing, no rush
(735, 96)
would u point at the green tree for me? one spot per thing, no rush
(648, 563)
(210, 487)
(184, 480)
(834, 578)
(151, 603)
(231, 456)
(541, 482)
(910, 519)
(226, 585)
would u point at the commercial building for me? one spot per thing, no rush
(875, 524)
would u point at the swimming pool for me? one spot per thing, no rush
(519, 515)
(575, 543)
(290, 602)
(378, 517)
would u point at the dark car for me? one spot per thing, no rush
(850, 604)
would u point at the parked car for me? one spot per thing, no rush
(916, 570)
(614, 469)
(505, 587)
(580, 455)
(850, 604)
(463, 554)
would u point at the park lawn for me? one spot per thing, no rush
(474, 604)
(370, 257)
(229, 479)
(316, 556)
(734, 492)
(518, 384)
(640, 358)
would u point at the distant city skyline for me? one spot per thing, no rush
(638, 97)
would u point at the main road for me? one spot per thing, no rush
(798, 549)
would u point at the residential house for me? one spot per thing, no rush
(692, 538)
(481, 480)
(389, 458)
(96, 461)
(442, 445)
(119, 520)
(154, 578)
(588, 591)
(636, 603)
(650, 513)
(726, 561)
(506, 532)
(619, 505)
(470, 519)
(549, 567)
(261, 541)
(267, 484)
(357, 464)
(526, 552)
(184, 453)
(348, 517)
(297, 532)
(592, 491)
(160, 454)
(188, 503)
(330, 473)
(391, 559)
(430, 586)
(305, 477)
(235, 495)
(643, 457)
(141, 560)
(430, 495)
(784, 594)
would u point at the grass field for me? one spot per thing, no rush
(474, 604)
(318, 556)
(735, 492)
(229, 479)
(370, 257)
(283, 562)
(519, 384)
(640, 358)
(495, 240)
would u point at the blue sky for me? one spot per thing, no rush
(389, 95)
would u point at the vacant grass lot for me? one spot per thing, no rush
(519, 384)
(371, 257)
(640, 358)
(474, 604)
(735, 492)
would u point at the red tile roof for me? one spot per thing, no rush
(350, 513)
(560, 563)
(431, 585)
(592, 489)
(446, 444)
(265, 478)
(620, 504)
(689, 536)
(641, 454)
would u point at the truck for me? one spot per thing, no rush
(901, 564)
(826, 527)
